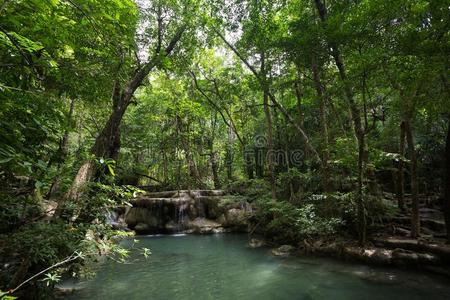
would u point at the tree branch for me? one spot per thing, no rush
(272, 98)
(70, 258)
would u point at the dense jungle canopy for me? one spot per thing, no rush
(330, 116)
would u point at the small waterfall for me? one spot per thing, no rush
(181, 215)
(184, 210)
(112, 218)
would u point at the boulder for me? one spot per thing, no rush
(171, 226)
(256, 243)
(204, 226)
(235, 217)
(218, 230)
(192, 211)
(141, 227)
(139, 215)
(284, 250)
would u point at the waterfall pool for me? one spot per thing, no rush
(221, 266)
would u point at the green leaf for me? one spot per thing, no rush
(111, 170)
(5, 160)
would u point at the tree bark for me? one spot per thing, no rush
(229, 156)
(268, 115)
(213, 156)
(415, 220)
(299, 95)
(192, 165)
(248, 157)
(320, 90)
(447, 183)
(400, 172)
(62, 154)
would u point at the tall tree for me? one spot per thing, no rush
(163, 33)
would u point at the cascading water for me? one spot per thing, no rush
(112, 218)
(181, 217)
(192, 211)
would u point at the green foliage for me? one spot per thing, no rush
(200, 120)
(252, 188)
(5, 296)
(232, 201)
(287, 222)
(51, 278)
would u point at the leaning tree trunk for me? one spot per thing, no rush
(415, 220)
(107, 144)
(400, 172)
(447, 183)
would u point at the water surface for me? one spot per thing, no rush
(223, 267)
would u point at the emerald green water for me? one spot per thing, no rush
(223, 267)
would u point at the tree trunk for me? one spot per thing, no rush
(447, 183)
(270, 151)
(400, 172)
(268, 115)
(214, 169)
(357, 125)
(192, 165)
(361, 211)
(299, 95)
(213, 156)
(248, 157)
(272, 98)
(320, 90)
(62, 151)
(107, 144)
(415, 220)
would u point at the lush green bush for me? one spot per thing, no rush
(286, 222)
(252, 188)
(29, 233)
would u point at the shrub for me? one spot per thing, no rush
(286, 222)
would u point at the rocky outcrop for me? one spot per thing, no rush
(196, 211)
(387, 251)
(204, 226)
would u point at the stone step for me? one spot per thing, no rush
(175, 193)
(435, 225)
(208, 198)
(164, 194)
(209, 192)
(147, 201)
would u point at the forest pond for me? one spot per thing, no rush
(221, 266)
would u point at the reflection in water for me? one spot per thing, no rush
(222, 267)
